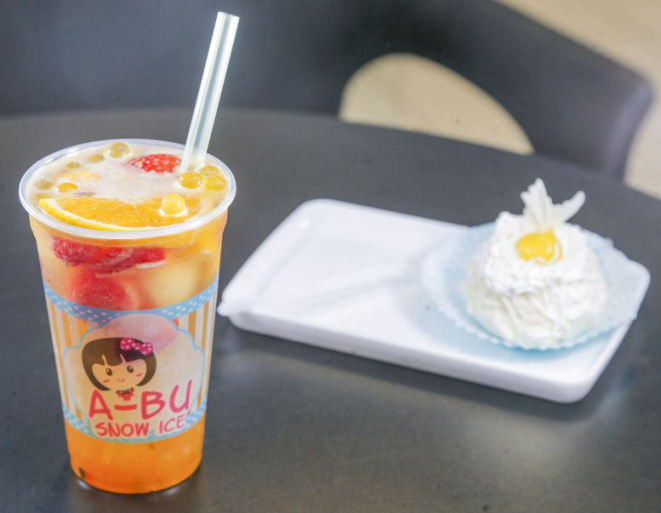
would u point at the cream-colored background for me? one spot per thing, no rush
(409, 92)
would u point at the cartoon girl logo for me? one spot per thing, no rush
(119, 364)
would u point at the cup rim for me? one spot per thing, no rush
(151, 233)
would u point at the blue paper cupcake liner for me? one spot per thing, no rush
(444, 273)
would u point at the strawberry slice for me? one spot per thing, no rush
(113, 259)
(74, 253)
(100, 292)
(156, 162)
(142, 256)
(129, 257)
(103, 258)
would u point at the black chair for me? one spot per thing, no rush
(298, 55)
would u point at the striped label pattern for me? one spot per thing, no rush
(164, 355)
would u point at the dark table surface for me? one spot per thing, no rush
(291, 428)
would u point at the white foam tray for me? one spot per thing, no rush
(395, 322)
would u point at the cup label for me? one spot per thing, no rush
(133, 376)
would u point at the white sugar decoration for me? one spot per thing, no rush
(541, 215)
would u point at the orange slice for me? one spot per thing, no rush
(114, 214)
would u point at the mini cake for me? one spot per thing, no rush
(536, 280)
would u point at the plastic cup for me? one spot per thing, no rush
(131, 317)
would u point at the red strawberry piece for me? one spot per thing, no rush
(147, 256)
(100, 292)
(74, 253)
(119, 259)
(77, 253)
(156, 162)
(105, 259)
(113, 259)
(110, 256)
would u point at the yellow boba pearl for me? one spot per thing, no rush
(66, 187)
(173, 205)
(118, 150)
(539, 246)
(73, 165)
(43, 184)
(190, 180)
(214, 183)
(97, 157)
(209, 171)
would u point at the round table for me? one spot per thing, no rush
(294, 428)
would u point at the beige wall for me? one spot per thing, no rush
(415, 94)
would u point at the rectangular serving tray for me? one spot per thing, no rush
(393, 321)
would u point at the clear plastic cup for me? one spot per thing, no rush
(131, 317)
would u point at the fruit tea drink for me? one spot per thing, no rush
(129, 249)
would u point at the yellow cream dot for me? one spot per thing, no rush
(173, 205)
(190, 180)
(214, 183)
(539, 246)
(73, 165)
(66, 187)
(97, 157)
(118, 149)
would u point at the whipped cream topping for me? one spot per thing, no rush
(530, 301)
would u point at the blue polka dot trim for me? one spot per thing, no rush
(99, 315)
(81, 425)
